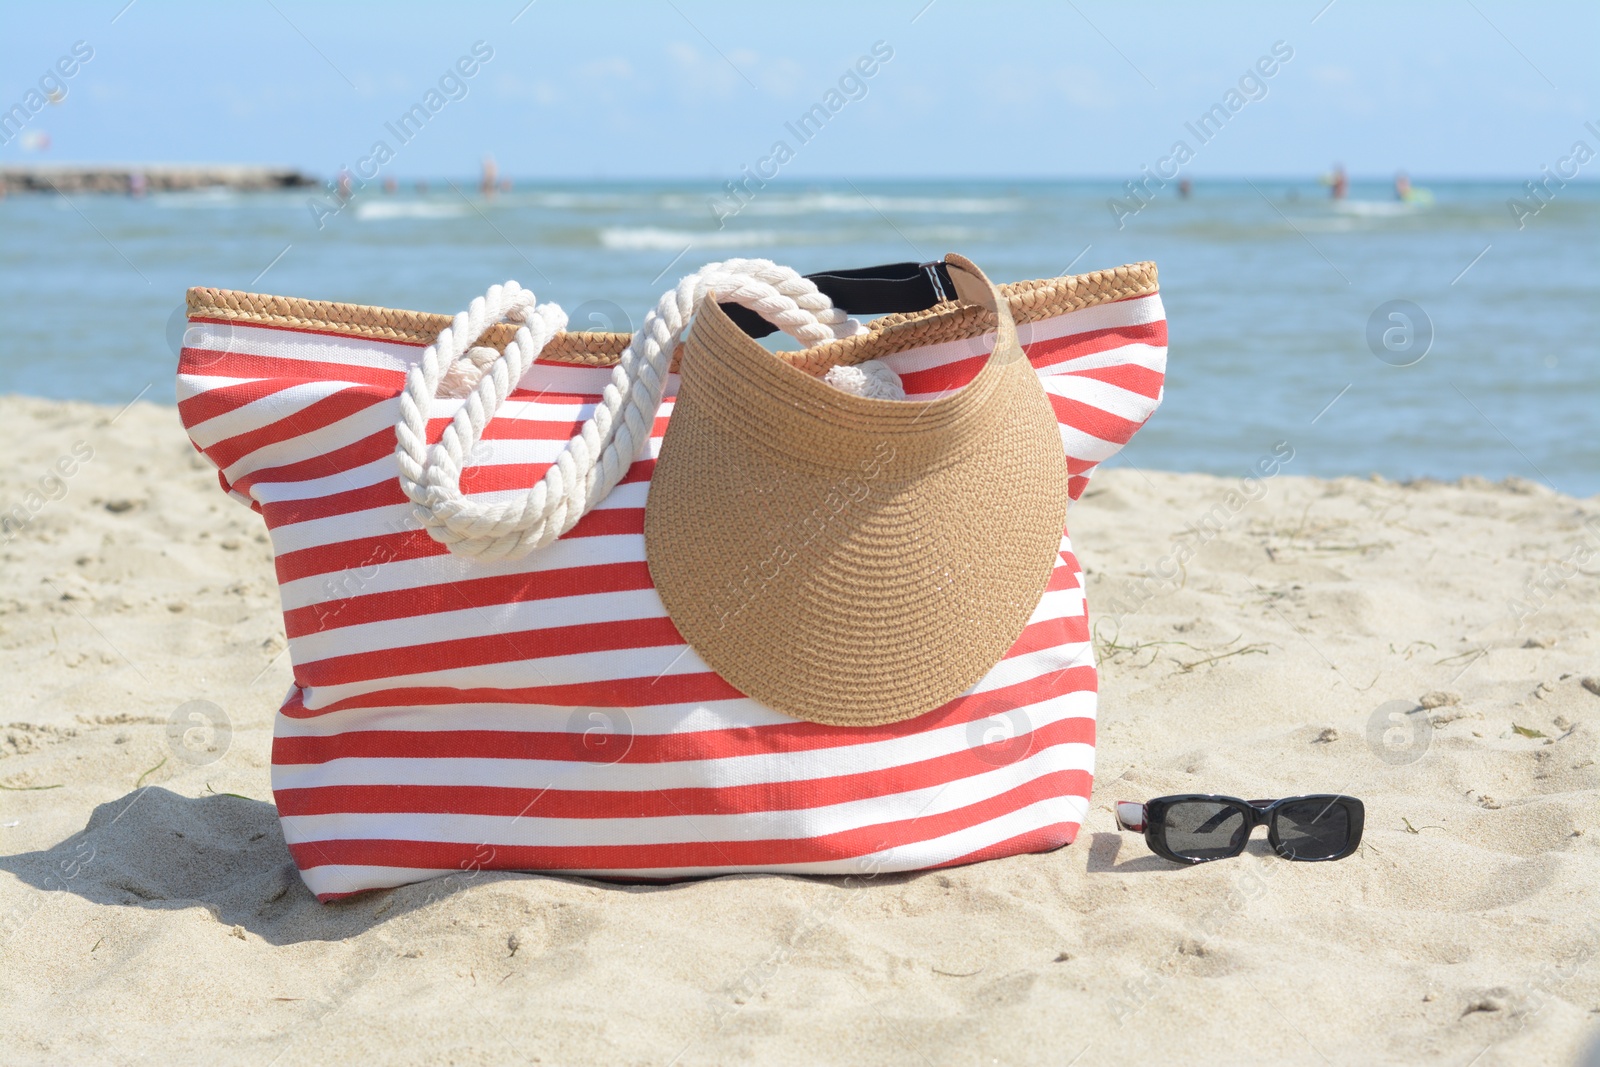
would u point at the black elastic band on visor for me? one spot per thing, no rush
(867, 291)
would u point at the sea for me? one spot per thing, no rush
(1453, 334)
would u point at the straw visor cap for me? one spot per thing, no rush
(846, 560)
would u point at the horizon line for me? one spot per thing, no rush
(471, 177)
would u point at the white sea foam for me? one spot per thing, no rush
(197, 198)
(1376, 208)
(807, 203)
(644, 237)
(408, 209)
(654, 237)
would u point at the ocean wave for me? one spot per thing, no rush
(1377, 208)
(803, 203)
(762, 203)
(408, 209)
(198, 198)
(654, 237)
(648, 237)
(563, 201)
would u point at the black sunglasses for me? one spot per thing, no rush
(1195, 828)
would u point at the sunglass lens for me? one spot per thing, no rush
(1313, 829)
(1205, 830)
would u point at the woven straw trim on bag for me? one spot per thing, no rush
(1030, 302)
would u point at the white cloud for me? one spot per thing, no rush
(783, 78)
(700, 75)
(514, 87)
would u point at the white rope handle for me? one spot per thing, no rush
(595, 460)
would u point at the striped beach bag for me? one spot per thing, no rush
(484, 675)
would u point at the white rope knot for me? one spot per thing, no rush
(608, 442)
(870, 378)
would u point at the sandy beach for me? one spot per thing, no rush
(1430, 648)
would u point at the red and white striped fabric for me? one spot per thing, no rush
(544, 714)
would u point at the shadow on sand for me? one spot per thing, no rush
(1104, 848)
(156, 849)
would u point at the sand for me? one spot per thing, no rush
(149, 912)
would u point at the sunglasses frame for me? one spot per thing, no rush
(1150, 817)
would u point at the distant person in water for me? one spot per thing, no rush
(1338, 182)
(1185, 187)
(1402, 186)
(490, 180)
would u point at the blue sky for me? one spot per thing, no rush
(696, 89)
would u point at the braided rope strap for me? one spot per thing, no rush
(594, 461)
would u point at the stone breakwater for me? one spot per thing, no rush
(132, 178)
